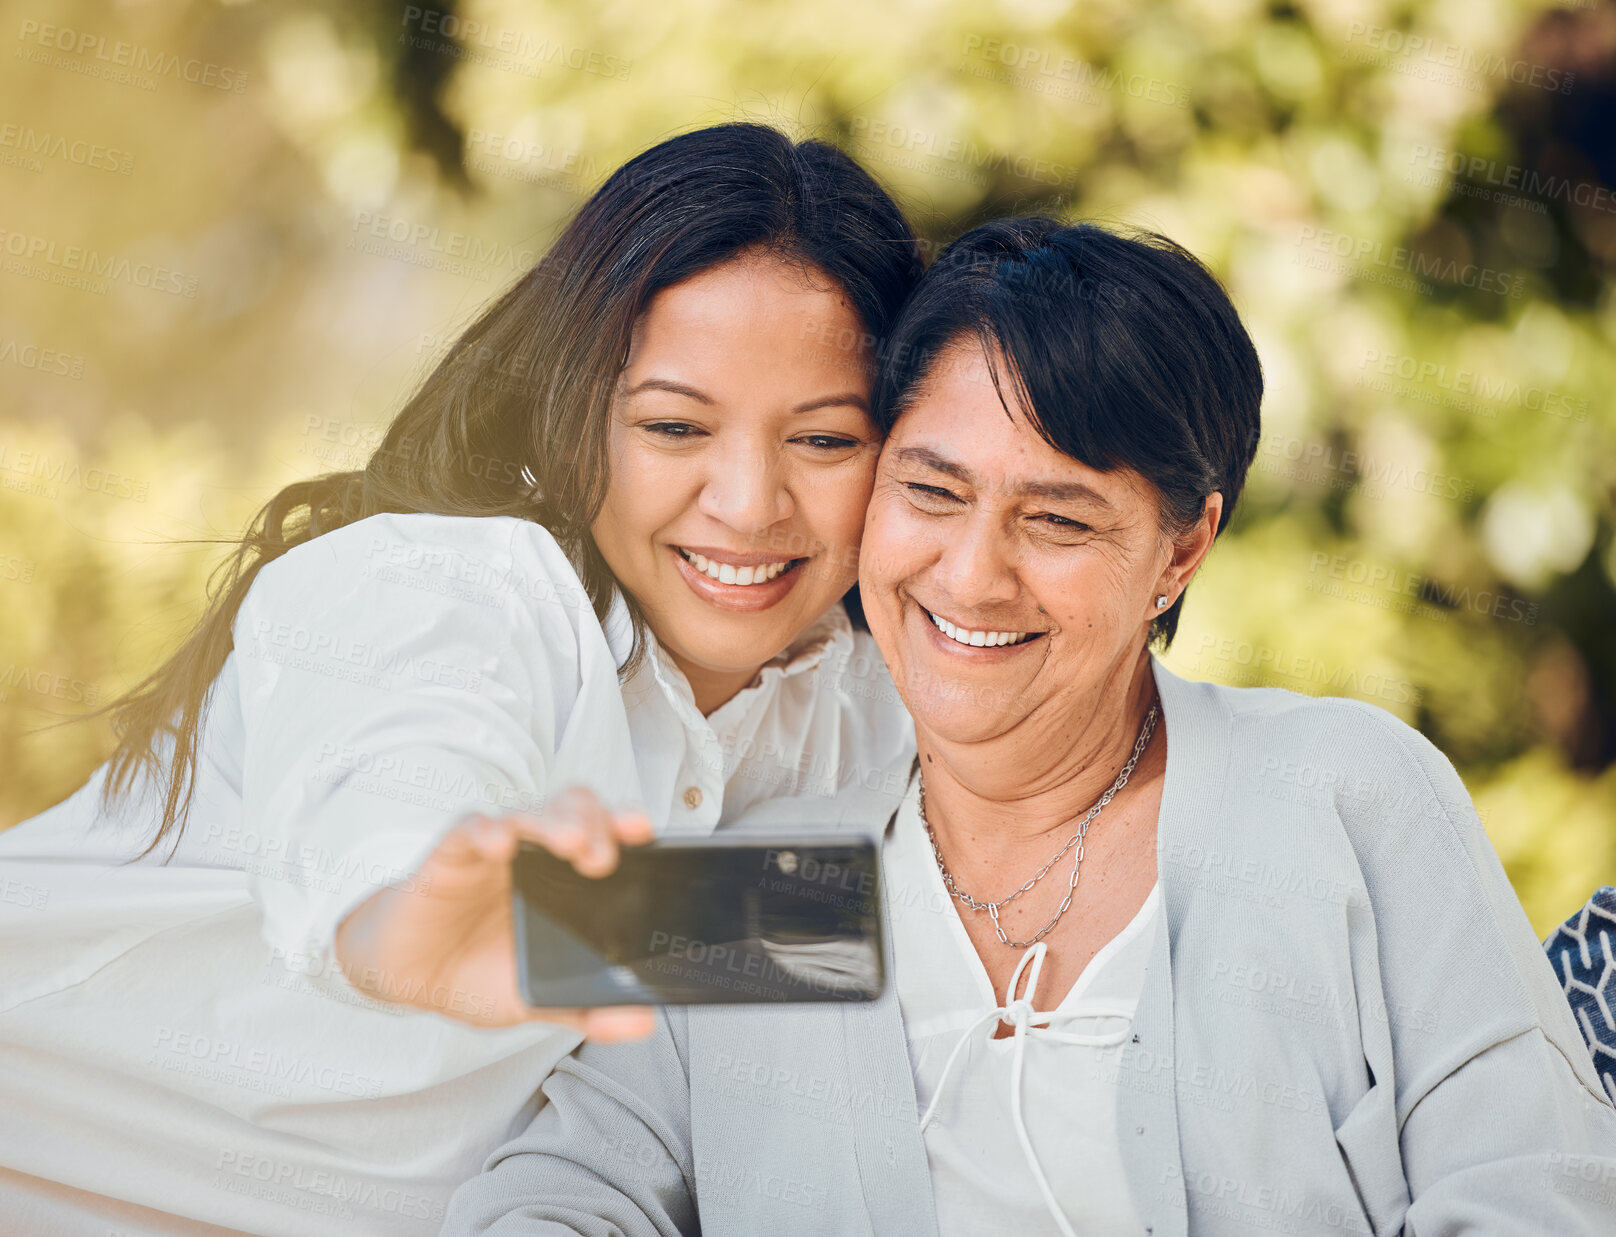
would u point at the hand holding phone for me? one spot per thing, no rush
(446, 941)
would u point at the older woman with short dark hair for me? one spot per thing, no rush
(1137, 986)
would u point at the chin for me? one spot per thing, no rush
(959, 712)
(732, 643)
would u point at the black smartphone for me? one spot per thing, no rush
(702, 921)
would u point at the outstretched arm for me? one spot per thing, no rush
(409, 715)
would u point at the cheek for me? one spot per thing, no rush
(897, 545)
(833, 504)
(642, 495)
(1088, 597)
(631, 464)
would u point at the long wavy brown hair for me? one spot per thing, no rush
(513, 421)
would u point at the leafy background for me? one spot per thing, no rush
(1410, 202)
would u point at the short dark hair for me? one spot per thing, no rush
(1124, 349)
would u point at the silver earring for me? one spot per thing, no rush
(1161, 602)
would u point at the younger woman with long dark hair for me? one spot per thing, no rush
(602, 547)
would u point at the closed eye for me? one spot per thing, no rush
(672, 429)
(932, 491)
(828, 442)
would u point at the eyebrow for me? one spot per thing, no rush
(849, 399)
(673, 388)
(1056, 491)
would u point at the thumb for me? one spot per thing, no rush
(489, 838)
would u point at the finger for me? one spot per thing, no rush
(599, 854)
(475, 839)
(599, 858)
(582, 808)
(587, 844)
(557, 829)
(491, 838)
(619, 1023)
(607, 1025)
(571, 1018)
(596, 853)
(632, 828)
(575, 826)
(580, 803)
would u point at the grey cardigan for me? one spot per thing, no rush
(1347, 1027)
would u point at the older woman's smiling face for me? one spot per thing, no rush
(1008, 585)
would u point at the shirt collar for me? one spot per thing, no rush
(828, 636)
(619, 629)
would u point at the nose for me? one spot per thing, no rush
(747, 489)
(974, 568)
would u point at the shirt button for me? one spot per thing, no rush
(693, 798)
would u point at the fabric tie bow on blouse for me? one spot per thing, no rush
(1025, 1021)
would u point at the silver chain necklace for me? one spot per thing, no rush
(992, 908)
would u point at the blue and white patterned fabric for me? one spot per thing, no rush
(1583, 950)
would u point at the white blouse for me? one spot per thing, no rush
(178, 1036)
(1020, 1132)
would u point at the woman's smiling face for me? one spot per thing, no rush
(742, 456)
(1006, 583)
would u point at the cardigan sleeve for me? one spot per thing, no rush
(1511, 1143)
(1501, 1122)
(609, 1154)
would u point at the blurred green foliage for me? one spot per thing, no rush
(293, 208)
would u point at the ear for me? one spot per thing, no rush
(1190, 550)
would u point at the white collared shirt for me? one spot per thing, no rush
(1061, 1097)
(178, 1035)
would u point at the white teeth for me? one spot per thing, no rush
(728, 573)
(978, 639)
